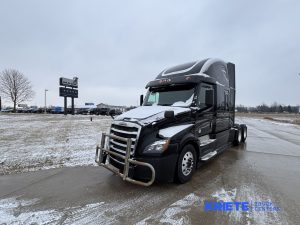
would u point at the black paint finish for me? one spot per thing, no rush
(213, 120)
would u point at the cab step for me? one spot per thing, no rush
(208, 156)
(205, 140)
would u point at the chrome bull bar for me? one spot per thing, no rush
(101, 152)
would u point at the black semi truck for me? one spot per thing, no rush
(186, 118)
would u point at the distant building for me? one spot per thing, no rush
(106, 106)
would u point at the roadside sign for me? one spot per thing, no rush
(68, 92)
(68, 82)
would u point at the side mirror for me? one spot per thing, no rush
(141, 100)
(209, 98)
(169, 114)
(112, 113)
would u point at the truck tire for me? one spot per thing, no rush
(244, 132)
(186, 164)
(238, 136)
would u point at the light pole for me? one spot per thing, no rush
(46, 100)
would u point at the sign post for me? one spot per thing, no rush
(72, 105)
(65, 105)
(68, 92)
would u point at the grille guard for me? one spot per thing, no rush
(101, 152)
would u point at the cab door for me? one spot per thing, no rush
(205, 118)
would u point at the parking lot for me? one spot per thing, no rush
(49, 177)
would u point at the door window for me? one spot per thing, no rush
(205, 96)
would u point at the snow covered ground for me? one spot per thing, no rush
(30, 142)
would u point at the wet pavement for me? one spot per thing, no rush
(265, 168)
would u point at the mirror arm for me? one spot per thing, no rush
(141, 100)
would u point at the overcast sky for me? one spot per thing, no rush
(116, 47)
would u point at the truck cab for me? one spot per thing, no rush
(186, 118)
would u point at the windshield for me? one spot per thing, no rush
(181, 96)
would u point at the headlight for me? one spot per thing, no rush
(157, 146)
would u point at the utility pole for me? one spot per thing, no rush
(46, 100)
(0, 104)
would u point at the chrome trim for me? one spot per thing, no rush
(118, 150)
(209, 155)
(126, 124)
(101, 153)
(207, 142)
(110, 157)
(123, 131)
(117, 143)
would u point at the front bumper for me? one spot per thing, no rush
(102, 153)
(140, 170)
(164, 168)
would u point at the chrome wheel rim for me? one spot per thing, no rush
(187, 163)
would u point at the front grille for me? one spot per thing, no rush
(125, 130)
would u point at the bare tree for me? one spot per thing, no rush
(15, 87)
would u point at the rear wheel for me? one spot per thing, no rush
(238, 136)
(244, 132)
(186, 164)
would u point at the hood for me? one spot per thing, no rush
(144, 112)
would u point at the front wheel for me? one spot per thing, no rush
(186, 164)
